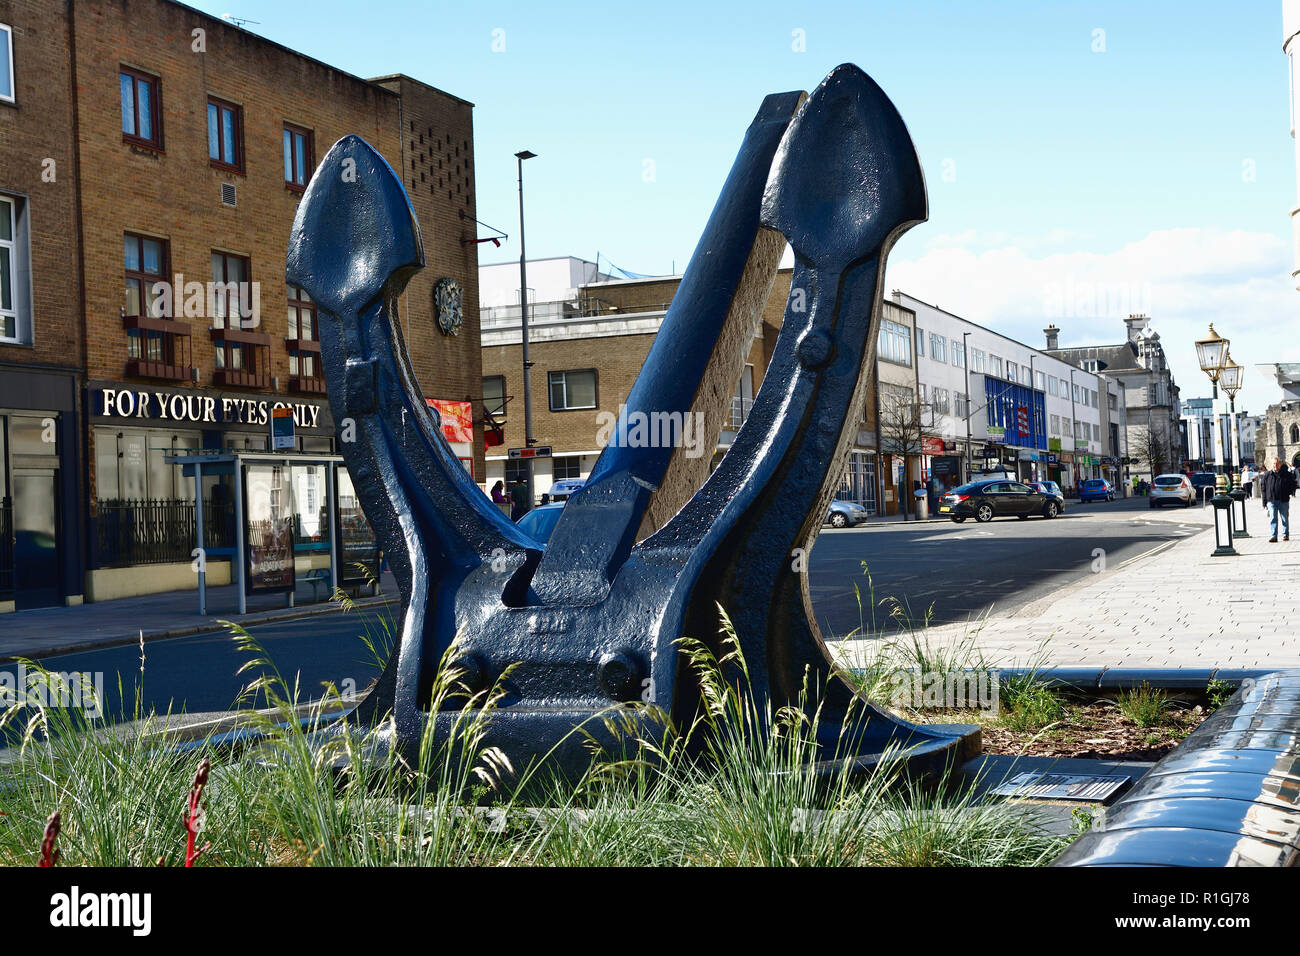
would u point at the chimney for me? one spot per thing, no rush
(1136, 323)
(1051, 332)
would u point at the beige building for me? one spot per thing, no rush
(589, 335)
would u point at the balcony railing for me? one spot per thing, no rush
(140, 531)
(163, 346)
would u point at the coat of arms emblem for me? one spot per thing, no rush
(447, 306)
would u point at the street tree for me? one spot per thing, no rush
(904, 423)
(1149, 446)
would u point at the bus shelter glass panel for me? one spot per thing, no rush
(358, 550)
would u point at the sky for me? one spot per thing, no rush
(1084, 160)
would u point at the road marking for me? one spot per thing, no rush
(1145, 554)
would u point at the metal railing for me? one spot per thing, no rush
(542, 312)
(140, 531)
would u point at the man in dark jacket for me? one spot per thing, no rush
(519, 503)
(1277, 487)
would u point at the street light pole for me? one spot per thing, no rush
(965, 354)
(523, 327)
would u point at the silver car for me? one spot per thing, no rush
(1172, 490)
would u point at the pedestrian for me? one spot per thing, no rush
(499, 493)
(1276, 489)
(519, 503)
(1248, 481)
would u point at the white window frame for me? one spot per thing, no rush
(19, 275)
(8, 32)
(566, 407)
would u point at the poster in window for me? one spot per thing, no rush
(358, 550)
(268, 529)
(457, 419)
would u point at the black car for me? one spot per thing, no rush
(1051, 490)
(999, 498)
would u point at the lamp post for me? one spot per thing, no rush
(1230, 379)
(965, 356)
(1212, 355)
(523, 327)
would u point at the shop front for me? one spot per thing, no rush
(142, 509)
(40, 514)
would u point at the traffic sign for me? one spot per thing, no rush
(537, 451)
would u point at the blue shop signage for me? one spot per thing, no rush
(1019, 410)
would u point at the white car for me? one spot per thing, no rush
(1172, 490)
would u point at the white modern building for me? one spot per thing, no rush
(1290, 44)
(552, 284)
(1000, 402)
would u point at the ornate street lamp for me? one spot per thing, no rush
(1230, 379)
(1212, 353)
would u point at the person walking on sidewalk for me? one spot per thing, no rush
(1276, 489)
(520, 505)
(1248, 476)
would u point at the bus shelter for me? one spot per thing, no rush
(279, 517)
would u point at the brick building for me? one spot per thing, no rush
(41, 340)
(157, 256)
(589, 335)
(587, 345)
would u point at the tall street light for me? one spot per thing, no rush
(1230, 379)
(1211, 354)
(523, 325)
(965, 361)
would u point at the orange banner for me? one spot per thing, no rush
(457, 419)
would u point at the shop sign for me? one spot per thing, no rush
(200, 409)
(1053, 458)
(1053, 444)
(282, 430)
(931, 446)
(997, 431)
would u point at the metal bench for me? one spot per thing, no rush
(1228, 795)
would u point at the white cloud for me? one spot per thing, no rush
(1183, 279)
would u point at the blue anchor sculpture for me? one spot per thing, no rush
(592, 619)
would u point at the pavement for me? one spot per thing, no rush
(1174, 607)
(41, 632)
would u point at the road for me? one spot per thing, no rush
(199, 674)
(956, 572)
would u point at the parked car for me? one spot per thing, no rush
(1050, 489)
(846, 514)
(540, 522)
(1096, 489)
(1171, 490)
(986, 500)
(1201, 480)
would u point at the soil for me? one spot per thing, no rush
(1092, 730)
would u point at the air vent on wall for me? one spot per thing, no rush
(228, 194)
